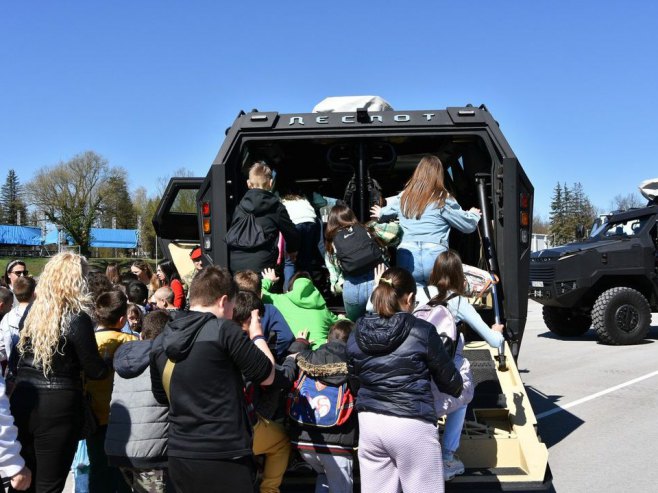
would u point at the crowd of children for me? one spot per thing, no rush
(179, 391)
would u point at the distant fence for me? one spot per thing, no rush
(20, 251)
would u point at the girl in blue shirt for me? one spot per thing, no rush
(426, 212)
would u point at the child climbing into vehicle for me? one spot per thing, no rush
(427, 212)
(257, 221)
(308, 225)
(302, 306)
(446, 286)
(395, 356)
(353, 253)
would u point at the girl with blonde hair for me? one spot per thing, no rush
(56, 345)
(427, 211)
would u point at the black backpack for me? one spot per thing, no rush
(356, 251)
(245, 233)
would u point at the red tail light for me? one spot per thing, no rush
(525, 201)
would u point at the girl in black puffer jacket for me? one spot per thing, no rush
(394, 356)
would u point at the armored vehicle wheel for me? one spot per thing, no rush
(621, 316)
(565, 322)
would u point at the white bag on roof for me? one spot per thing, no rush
(349, 104)
(649, 189)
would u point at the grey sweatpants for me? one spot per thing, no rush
(397, 454)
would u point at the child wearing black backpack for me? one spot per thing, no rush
(352, 252)
(323, 421)
(257, 220)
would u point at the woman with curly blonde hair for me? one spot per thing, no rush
(56, 345)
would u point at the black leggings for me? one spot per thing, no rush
(210, 476)
(48, 423)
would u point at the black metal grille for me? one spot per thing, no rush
(485, 381)
(540, 272)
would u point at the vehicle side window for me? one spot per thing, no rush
(185, 202)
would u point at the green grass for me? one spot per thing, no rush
(36, 264)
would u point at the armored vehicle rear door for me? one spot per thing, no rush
(176, 222)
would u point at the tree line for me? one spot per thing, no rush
(82, 193)
(571, 209)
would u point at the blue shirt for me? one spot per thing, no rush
(273, 321)
(434, 223)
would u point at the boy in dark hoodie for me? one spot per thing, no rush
(271, 215)
(329, 451)
(197, 366)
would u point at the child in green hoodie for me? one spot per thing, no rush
(302, 306)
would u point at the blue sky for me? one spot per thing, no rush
(152, 85)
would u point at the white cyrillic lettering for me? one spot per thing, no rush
(401, 118)
(345, 119)
(296, 119)
(428, 116)
(322, 119)
(377, 118)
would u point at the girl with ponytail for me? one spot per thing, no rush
(394, 357)
(447, 285)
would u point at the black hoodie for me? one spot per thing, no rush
(207, 413)
(394, 360)
(272, 216)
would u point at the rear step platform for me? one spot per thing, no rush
(499, 446)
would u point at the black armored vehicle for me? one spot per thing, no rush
(337, 153)
(608, 281)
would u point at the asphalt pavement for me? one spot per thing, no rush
(595, 405)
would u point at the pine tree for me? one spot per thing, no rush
(556, 215)
(12, 207)
(570, 208)
(583, 211)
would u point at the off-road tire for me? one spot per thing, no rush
(565, 322)
(621, 316)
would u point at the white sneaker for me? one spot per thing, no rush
(452, 468)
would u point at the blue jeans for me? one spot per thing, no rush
(356, 292)
(334, 471)
(453, 432)
(418, 258)
(308, 255)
